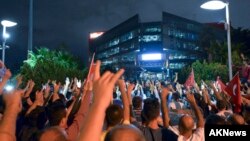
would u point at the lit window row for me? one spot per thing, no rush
(153, 29)
(128, 36)
(177, 44)
(127, 58)
(176, 65)
(180, 56)
(150, 38)
(110, 61)
(108, 53)
(181, 34)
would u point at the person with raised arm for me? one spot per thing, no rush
(5, 76)
(103, 87)
(186, 123)
(13, 106)
(164, 108)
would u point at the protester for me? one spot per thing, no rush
(107, 107)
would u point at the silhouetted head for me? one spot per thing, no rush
(151, 109)
(54, 134)
(114, 115)
(124, 133)
(186, 124)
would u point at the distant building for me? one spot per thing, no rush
(153, 49)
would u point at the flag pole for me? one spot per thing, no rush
(91, 63)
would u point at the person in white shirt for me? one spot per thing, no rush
(186, 123)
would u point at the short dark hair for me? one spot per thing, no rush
(114, 115)
(137, 102)
(56, 112)
(176, 96)
(221, 104)
(215, 120)
(151, 109)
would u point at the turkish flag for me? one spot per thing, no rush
(233, 89)
(220, 84)
(190, 81)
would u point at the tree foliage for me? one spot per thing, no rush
(47, 65)
(204, 71)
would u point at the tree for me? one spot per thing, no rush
(204, 71)
(242, 36)
(54, 65)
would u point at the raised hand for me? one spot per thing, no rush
(7, 74)
(103, 85)
(56, 86)
(13, 101)
(67, 81)
(131, 86)
(19, 79)
(190, 98)
(32, 84)
(164, 92)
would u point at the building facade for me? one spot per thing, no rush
(152, 49)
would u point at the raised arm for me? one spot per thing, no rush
(39, 101)
(103, 91)
(195, 107)
(129, 93)
(164, 108)
(5, 78)
(125, 101)
(79, 117)
(30, 88)
(8, 123)
(19, 80)
(216, 93)
(55, 95)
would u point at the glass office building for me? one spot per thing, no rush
(152, 49)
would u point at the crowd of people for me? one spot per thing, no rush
(109, 108)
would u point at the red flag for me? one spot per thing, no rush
(91, 69)
(190, 81)
(220, 84)
(233, 89)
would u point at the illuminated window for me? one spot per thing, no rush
(127, 36)
(128, 58)
(154, 56)
(150, 38)
(153, 29)
(114, 42)
(176, 65)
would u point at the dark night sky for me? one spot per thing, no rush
(70, 21)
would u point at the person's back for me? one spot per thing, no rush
(114, 116)
(222, 109)
(152, 131)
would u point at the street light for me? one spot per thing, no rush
(217, 5)
(5, 35)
